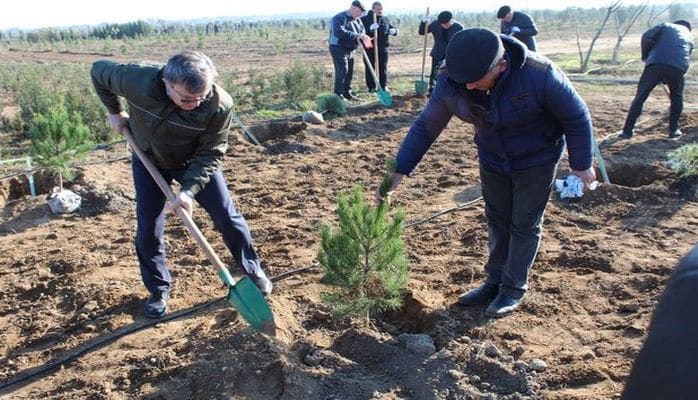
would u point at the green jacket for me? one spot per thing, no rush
(171, 137)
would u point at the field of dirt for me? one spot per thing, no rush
(71, 321)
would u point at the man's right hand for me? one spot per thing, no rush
(118, 121)
(395, 180)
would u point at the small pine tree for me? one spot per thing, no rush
(57, 138)
(684, 160)
(332, 106)
(365, 258)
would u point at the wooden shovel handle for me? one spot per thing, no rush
(186, 218)
(424, 49)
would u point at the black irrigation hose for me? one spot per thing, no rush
(127, 330)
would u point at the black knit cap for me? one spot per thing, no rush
(357, 3)
(471, 53)
(445, 16)
(503, 11)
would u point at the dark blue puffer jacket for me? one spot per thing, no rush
(669, 44)
(525, 120)
(341, 32)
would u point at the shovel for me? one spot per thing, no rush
(382, 94)
(420, 87)
(243, 294)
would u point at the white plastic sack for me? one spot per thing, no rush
(572, 187)
(63, 201)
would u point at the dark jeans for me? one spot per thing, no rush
(435, 64)
(514, 205)
(652, 75)
(382, 66)
(150, 241)
(343, 60)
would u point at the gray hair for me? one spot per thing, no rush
(192, 69)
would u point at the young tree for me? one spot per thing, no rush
(625, 19)
(56, 139)
(585, 58)
(365, 258)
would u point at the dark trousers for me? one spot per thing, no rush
(382, 73)
(652, 75)
(435, 64)
(150, 240)
(514, 206)
(343, 60)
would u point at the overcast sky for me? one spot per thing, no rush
(44, 13)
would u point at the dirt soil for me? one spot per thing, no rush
(71, 296)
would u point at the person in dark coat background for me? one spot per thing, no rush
(525, 111)
(379, 32)
(667, 364)
(666, 51)
(518, 24)
(442, 29)
(346, 31)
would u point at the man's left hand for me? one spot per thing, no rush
(515, 29)
(181, 200)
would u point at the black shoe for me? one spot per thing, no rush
(156, 305)
(625, 135)
(263, 283)
(675, 134)
(350, 96)
(503, 305)
(481, 295)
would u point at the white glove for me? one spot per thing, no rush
(373, 26)
(515, 29)
(425, 19)
(392, 31)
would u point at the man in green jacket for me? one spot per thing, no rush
(180, 118)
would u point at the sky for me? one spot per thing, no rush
(30, 14)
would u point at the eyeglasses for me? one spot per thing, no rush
(185, 99)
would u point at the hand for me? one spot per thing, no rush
(395, 180)
(393, 31)
(425, 20)
(118, 121)
(515, 29)
(373, 26)
(366, 41)
(587, 176)
(182, 200)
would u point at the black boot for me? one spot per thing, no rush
(503, 305)
(481, 295)
(156, 305)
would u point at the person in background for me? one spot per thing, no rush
(518, 24)
(666, 50)
(665, 367)
(442, 29)
(524, 111)
(379, 32)
(346, 31)
(180, 119)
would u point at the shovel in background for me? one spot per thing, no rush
(382, 94)
(420, 87)
(243, 294)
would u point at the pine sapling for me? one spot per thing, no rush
(56, 139)
(364, 259)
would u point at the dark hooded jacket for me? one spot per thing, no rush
(383, 28)
(669, 44)
(441, 37)
(524, 121)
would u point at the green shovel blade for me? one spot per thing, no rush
(420, 87)
(384, 97)
(252, 306)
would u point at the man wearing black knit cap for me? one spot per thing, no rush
(524, 111)
(518, 24)
(442, 29)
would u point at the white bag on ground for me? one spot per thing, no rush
(63, 201)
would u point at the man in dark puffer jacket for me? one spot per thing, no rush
(524, 110)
